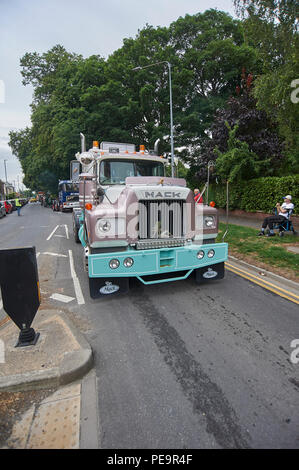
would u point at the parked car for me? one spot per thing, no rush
(8, 207)
(13, 204)
(2, 210)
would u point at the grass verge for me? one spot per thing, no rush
(268, 253)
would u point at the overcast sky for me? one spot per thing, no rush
(83, 26)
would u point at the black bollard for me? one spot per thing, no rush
(20, 290)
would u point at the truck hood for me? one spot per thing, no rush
(150, 188)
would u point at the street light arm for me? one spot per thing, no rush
(170, 106)
(151, 65)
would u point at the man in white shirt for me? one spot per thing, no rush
(283, 214)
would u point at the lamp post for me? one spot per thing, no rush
(5, 171)
(170, 106)
(211, 164)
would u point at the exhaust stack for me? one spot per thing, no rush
(83, 145)
(156, 146)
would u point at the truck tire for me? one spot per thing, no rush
(76, 227)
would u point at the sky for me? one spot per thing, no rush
(84, 27)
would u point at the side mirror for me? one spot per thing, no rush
(100, 193)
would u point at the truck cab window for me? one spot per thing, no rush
(116, 171)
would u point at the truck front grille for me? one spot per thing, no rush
(162, 220)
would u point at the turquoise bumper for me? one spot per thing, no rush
(156, 261)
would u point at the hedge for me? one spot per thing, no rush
(259, 194)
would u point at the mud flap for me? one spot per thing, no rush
(108, 287)
(209, 273)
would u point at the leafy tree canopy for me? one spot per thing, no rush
(107, 100)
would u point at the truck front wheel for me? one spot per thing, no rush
(76, 227)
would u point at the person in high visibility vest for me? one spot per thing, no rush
(18, 206)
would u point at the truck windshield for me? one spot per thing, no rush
(116, 171)
(70, 187)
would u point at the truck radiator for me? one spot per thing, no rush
(163, 221)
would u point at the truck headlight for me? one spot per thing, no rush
(211, 253)
(209, 221)
(110, 227)
(104, 225)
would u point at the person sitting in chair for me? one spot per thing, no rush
(283, 214)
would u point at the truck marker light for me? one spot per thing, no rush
(128, 262)
(88, 206)
(200, 254)
(95, 143)
(114, 263)
(211, 253)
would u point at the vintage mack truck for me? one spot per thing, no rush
(134, 221)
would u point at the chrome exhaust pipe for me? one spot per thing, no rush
(156, 146)
(83, 146)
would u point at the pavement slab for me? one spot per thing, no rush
(52, 424)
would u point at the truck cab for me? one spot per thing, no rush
(68, 195)
(136, 222)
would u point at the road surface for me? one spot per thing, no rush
(178, 366)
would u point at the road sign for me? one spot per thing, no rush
(20, 290)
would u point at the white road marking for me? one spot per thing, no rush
(54, 254)
(78, 290)
(52, 233)
(67, 232)
(61, 236)
(62, 298)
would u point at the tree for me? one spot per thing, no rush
(107, 100)
(238, 162)
(271, 26)
(251, 126)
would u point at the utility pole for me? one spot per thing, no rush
(5, 171)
